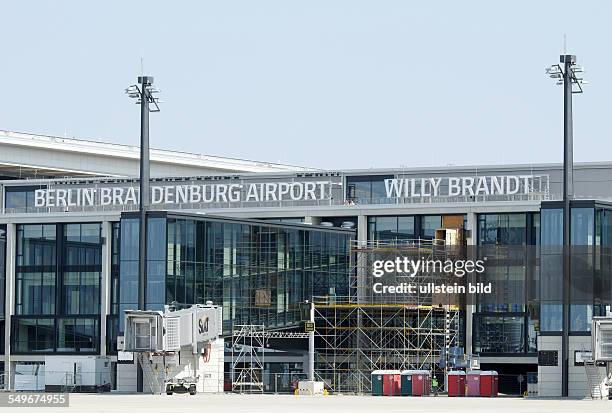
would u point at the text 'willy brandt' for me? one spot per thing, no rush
(459, 186)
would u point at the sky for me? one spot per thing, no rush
(334, 84)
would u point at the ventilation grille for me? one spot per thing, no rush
(173, 339)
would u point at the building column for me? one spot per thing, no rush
(470, 307)
(362, 229)
(105, 287)
(9, 305)
(362, 261)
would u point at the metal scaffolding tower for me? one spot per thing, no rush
(365, 331)
(248, 342)
(248, 349)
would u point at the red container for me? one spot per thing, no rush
(421, 383)
(472, 383)
(456, 383)
(391, 383)
(489, 384)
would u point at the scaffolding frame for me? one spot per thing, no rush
(248, 342)
(363, 332)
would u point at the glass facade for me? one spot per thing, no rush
(259, 272)
(20, 198)
(590, 266)
(391, 228)
(602, 285)
(582, 235)
(112, 320)
(57, 288)
(398, 227)
(551, 270)
(506, 321)
(367, 189)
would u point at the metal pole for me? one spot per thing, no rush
(311, 346)
(568, 194)
(145, 82)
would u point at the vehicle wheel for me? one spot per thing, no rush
(192, 390)
(169, 393)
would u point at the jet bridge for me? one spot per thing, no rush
(178, 350)
(602, 352)
(157, 331)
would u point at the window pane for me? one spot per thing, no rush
(430, 224)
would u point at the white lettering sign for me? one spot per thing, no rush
(185, 194)
(466, 186)
(221, 195)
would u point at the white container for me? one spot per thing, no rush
(78, 373)
(29, 377)
(310, 388)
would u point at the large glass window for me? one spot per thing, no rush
(367, 189)
(551, 270)
(429, 225)
(259, 273)
(128, 263)
(502, 229)
(602, 292)
(58, 273)
(32, 335)
(35, 272)
(112, 320)
(77, 335)
(82, 269)
(505, 321)
(156, 263)
(391, 228)
(500, 334)
(20, 198)
(582, 235)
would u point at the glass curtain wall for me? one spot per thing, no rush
(367, 189)
(259, 273)
(393, 228)
(112, 323)
(602, 289)
(551, 270)
(505, 321)
(57, 292)
(590, 266)
(582, 235)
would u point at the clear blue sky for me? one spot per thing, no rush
(332, 84)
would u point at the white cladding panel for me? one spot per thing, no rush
(602, 338)
(208, 323)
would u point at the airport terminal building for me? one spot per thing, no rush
(260, 239)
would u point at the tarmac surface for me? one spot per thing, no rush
(222, 403)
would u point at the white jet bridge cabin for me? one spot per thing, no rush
(178, 350)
